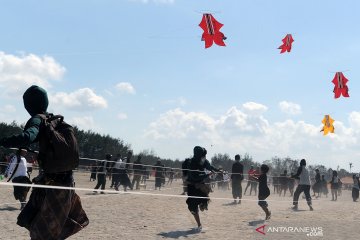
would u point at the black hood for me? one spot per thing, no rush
(35, 100)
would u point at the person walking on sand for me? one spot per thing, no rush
(236, 178)
(283, 183)
(159, 174)
(264, 190)
(101, 173)
(138, 172)
(317, 185)
(335, 182)
(304, 185)
(355, 188)
(251, 173)
(324, 187)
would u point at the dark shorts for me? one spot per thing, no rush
(262, 202)
(193, 203)
(21, 192)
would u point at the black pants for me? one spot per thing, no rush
(236, 188)
(136, 179)
(101, 181)
(299, 190)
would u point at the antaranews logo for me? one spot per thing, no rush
(261, 229)
(309, 231)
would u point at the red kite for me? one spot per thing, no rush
(340, 85)
(287, 42)
(212, 32)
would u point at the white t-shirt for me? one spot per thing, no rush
(120, 164)
(21, 170)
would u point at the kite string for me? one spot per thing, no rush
(207, 11)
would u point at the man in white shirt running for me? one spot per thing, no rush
(17, 173)
(304, 185)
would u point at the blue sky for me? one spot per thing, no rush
(137, 70)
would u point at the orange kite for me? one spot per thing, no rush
(328, 125)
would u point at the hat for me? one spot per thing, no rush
(35, 100)
(199, 152)
(303, 162)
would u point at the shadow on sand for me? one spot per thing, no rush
(179, 233)
(230, 204)
(256, 222)
(98, 193)
(9, 209)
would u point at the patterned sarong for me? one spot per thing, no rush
(53, 214)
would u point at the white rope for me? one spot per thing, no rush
(131, 193)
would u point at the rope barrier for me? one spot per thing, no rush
(132, 192)
(82, 168)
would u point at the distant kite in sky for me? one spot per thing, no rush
(212, 32)
(340, 88)
(287, 42)
(328, 125)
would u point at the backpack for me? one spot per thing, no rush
(58, 147)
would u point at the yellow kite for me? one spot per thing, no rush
(328, 125)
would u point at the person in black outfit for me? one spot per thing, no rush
(196, 183)
(123, 173)
(93, 172)
(236, 178)
(171, 176)
(291, 184)
(283, 181)
(185, 166)
(159, 174)
(355, 189)
(102, 170)
(317, 185)
(114, 174)
(138, 172)
(324, 187)
(264, 190)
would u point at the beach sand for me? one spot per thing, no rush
(131, 216)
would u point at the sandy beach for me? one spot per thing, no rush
(145, 216)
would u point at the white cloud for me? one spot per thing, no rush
(354, 119)
(177, 124)
(82, 99)
(254, 108)
(125, 87)
(8, 109)
(290, 108)
(181, 101)
(84, 123)
(247, 130)
(122, 116)
(17, 73)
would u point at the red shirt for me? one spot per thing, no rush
(251, 174)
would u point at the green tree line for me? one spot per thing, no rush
(95, 146)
